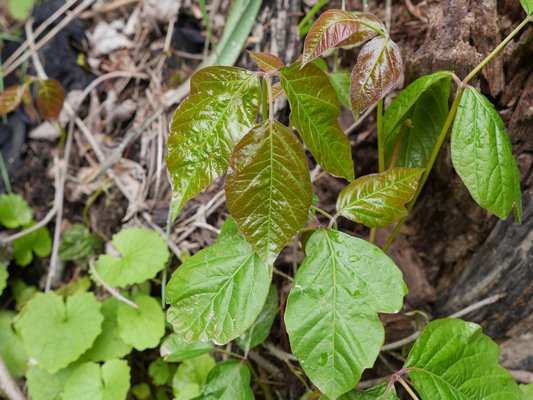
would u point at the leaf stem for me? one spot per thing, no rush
(398, 143)
(372, 235)
(264, 99)
(381, 147)
(270, 105)
(324, 213)
(164, 272)
(229, 353)
(408, 388)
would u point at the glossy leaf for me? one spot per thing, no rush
(50, 97)
(424, 105)
(228, 380)
(142, 254)
(174, 348)
(221, 108)
(190, 377)
(259, 331)
(369, 27)
(375, 393)
(378, 200)
(267, 62)
(482, 156)
(14, 211)
(453, 359)
(332, 310)
(341, 83)
(268, 188)
(218, 293)
(55, 331)
(11, 98)
(378, 68)
(11, 347)
(528, 6)
(314, 112)
(38, 242)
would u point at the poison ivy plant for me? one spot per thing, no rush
(174, 348)
(228, 380)
(340, 80)
(38, 242)
(14, 211)
(190, 377)
(528, 6)
(142, 254)
(344, 282)
(375, 393)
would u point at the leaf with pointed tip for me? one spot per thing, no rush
(378, 200)
(528, 6)
(369, 27)
(267, 62)
(268, 188)
(341, 83)
(375, 393)
(332, 310)
(229, 380)
(424, 105)
(11, 98)
(378, 68)
(50, 97)
(482, 156)
(314, 112)
(218, 293)
(221, 108)
(277, 91)
(453, 359)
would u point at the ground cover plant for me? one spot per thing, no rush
(199, 330)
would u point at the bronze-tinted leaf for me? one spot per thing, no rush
(268, 188)
(50, 97)
(369, 27)
(11, 98)
(222, 107)
(379, 66)
(267, 62)
(314, 112)
(277, 91)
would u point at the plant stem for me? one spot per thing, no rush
(398, 143)
(164, 272)
(5, 175)
(270, 105)
(381, 149)
(264, 99)
(408, 388)
(229, 353)
(324, 213)
(372, 235)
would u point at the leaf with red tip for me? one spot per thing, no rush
(369, 27)
(379, 66)
(267, 62)
(50, 97)
(11, 98)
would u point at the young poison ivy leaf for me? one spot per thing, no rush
(190, 377)
(143, 253)
(3, 277)
(141, 327)
(221, 108)
(453, 359)
(267, 62)
(38, 242)
(43, 385)
(375, 393)
(332, 310)
(174, 348)
(228, 230)
(369, 27)
(50, 97)
(228, 380)
(378, 200)
(341, 83)
(90, 381)
(268, 188)
(14, 211)
(378, 68)
(528, 6)
(258, 332)
(415, 117)
(11, 98)
(218, 293)
(56, 331)
(11, 348)
(78, 243)
(482, 156)
(108, 345)
(314, 112)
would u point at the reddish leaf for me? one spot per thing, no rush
(267, 62)
(277, 90)
(379, 66)
(369, 27)
(11, 98)
(330, 29)
(50, 97)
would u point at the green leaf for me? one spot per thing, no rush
(228, 380)
(267, 62)
(378, 68)
(14, 211)
(332, 310)
(38, 242)
(108, 345)
(268, 188)
(3, 277)
(221, 108)
(259, 331)
(218, 293)
(141, 327)
(78, 243)
(43, 385)
(20, 9)
(90, 381)
(528, 6)
(528, 391)
(56, 332)
(483, 158)
(141, 391)
(341, 83)
(418, 112)
(159, 371)
(11, 347)
(314, 112)
(190, 377)
(79, 284)
(375, 393)
(453, 359)
(228, 230)
(50, 97)
(12, 96)
(174, 348)
(143, 253)
(377, 200)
